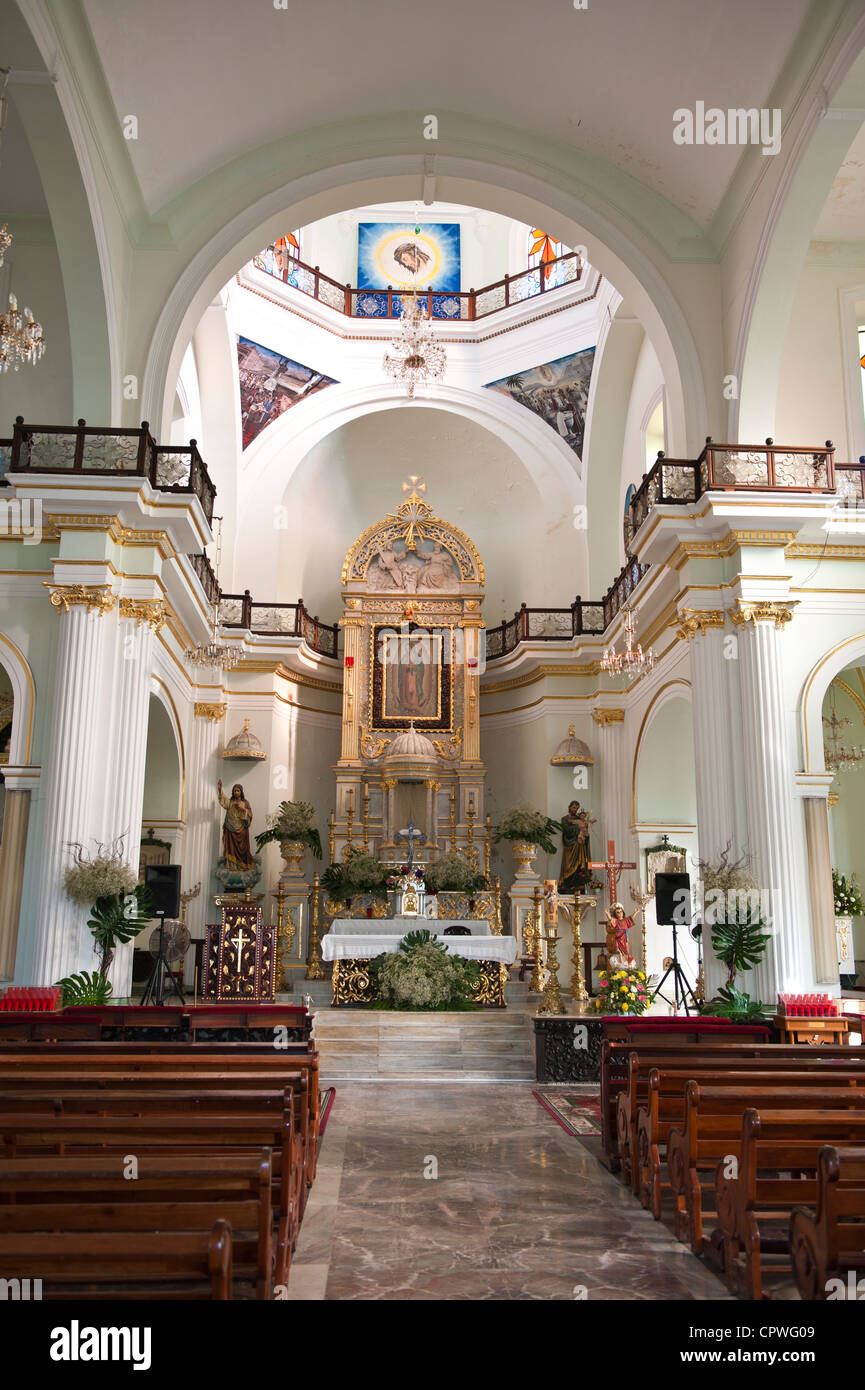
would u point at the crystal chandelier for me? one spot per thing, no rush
(417, 357)
(836, 754)
(633, 660)
(21, 340)
(215, 652)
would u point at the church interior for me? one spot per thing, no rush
(432, 654)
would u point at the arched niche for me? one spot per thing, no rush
(845, 698)
(163, 771)
(665, 780)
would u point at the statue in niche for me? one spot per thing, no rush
(236, 849)
(576, 853)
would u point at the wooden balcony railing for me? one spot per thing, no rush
(768, 467)
(207, 578)
(112, 452)
(278, 620)
(369, 303)
(585, 617)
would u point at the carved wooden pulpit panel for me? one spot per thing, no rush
(240, 957)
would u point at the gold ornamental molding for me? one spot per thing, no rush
(608, 716)
(694, 620)
(763, 612)
(144, 610)
(97, 598)
(213, 712)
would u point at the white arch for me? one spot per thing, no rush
(159, 689)
(392, 178)
(817, 682)
(24, 708)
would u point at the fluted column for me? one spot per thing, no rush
(769, 793)
(714, 685)
(16, 815)
(616, 821)
(202, 836)
(76, 758)
(139, 620)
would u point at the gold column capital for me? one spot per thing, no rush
(213, 712)
(144, 610)
(432, 784)
(694, 620)
(97, 598)
(608, 716)
(763, 611)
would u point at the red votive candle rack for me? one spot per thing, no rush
(30, 999)
(807, 1006)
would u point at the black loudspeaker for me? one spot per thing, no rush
(673, 900)
(163, 880)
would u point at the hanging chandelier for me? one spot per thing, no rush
(215, 653)
(633, 660)
(417, 358)
(838, 756)
(21, 340)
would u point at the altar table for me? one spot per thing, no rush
(350, 943)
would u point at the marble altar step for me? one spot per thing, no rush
(356, 1044)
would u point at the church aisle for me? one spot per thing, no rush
(519, 1210)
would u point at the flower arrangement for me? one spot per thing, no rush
(622, 992)
(523, 822)
(454, 874)
(422, 975)
(358, 873)
(120, 907)
(292, 820)
(394, 880)
(848, 898)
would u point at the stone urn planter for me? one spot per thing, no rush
(292, 852)
(524, 855)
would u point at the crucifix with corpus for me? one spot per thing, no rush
(618, 923)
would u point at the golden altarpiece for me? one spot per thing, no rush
(413, 636)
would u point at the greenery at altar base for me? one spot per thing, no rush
(523, 824)
(120, 907)
(622, 992)
(358, 873)
(422, 976)
(292, 821)
(453, 873)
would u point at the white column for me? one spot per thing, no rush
(769, 796)
(138, 620)
(77, 747)
(717, 759)
(615, 768)
(201, 848)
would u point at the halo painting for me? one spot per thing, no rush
(392, 253)
(270, 384)
(558, 391)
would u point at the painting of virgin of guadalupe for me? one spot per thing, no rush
(412, 678)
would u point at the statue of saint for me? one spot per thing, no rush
(235, 828)
(618, 948)
(575, 873)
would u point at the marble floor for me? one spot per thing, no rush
(519, 1209)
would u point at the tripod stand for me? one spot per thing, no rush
(155, 991)
(681, 988)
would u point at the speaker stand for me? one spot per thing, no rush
(155, 991)
(682, 990)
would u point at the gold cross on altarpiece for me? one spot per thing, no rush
(612, 868)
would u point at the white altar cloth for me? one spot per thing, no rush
(354, 946)
(398, 926)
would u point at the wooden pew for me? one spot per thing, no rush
(108, 1265)
(778, 1162)
(230, 1135)
(830, 1243)
(665, 1108)
(629, 1091)
(712, 1129)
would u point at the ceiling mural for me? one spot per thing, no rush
(270, 384)
(558, 391)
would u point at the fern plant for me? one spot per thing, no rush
(89, 988)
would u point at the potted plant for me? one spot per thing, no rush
(422, 976)
(848, 904)
(734, 915)
(453, 873)
(356, 874)
(119, 906)
(528, 830)
(292, 826)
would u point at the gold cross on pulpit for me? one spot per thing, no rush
(612, 868)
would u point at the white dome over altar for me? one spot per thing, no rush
(412, 744)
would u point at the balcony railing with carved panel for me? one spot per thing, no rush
(768, 467)
(278, 620)
(366, 303)
(112, 452)
(206, 576)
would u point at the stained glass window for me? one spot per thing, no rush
(862, 360)
(544, 251)
(281, 257)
